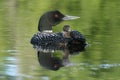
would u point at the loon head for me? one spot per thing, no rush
(52, 18)
(66, 28)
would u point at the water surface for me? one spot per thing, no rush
(99, 22)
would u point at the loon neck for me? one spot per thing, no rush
(44, 24)
(47, 31)
(44, 27)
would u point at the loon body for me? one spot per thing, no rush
(70, 39)
(44, 38)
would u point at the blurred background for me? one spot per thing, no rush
(99, 22)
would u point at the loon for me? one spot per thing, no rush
(45, 41)
(44, 37)
(70, 39)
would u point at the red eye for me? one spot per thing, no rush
(56, 65)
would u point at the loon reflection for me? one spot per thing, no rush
(49, 61)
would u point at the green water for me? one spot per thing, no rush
(99, 22)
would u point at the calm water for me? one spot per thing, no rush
(99, 22)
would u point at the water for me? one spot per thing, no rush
(99, 22)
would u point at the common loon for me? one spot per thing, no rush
(44, 38)
(46, 42)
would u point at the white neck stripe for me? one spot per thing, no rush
(47, 31)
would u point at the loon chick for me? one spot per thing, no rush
(66, 31)
(75, 41)
(44, 37)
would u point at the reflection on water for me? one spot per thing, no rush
(10, 68)
(99, 22)
(48, 59)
